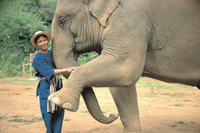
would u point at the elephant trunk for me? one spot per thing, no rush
(64, 57)
(93, 107)
(61, 61)
(62, 49)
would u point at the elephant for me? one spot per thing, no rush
(159, 39)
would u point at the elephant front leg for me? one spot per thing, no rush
(126, 101)
(107, 70)
(67, 97)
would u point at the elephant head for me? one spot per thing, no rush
(77, 28)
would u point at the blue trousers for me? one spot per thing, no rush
(53, 121)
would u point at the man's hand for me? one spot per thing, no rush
(64, 70)
(70, 69)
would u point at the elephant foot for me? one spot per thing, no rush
(66, 98)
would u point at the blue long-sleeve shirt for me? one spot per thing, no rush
(44, 67)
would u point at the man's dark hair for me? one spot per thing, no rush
(40, 36)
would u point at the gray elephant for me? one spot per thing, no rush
(155, 38)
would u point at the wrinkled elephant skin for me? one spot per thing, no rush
(155, 38)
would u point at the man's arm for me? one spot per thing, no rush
(64, 70)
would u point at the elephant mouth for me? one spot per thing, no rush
(78, 47)
(81, 48)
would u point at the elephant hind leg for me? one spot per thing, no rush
(126, 101)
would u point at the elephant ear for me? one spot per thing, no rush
(102, 9)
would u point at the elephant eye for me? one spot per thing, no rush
(64, 21)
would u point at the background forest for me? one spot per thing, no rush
(19, 20)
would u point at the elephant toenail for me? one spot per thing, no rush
(50, 97)
(56, 100)
(67, 106)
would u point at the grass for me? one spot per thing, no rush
(26, 121)
(156, 85)
(15, 93)
(148, 82)
(174, 94)
(2, 117)
(143, 82)
(19, 80)
(86, 111)
(151, 95)
(28, 89)
(178, 105)
(67, 119)
(187, 100)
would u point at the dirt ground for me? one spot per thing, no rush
(164, 108)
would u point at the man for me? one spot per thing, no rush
(45, 68)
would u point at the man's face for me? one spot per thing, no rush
(42, 43)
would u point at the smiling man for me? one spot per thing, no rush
(45, 69)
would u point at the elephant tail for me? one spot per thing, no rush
(94, 108)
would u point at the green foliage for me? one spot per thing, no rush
(151, 95)
(174, 94)
(178, 105)
(43, 8)
(26, 121)
(67, 119)
(83, 58)
(2, 117)
(19, 21)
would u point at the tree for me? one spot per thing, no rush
(44, 9)
(20, 19)
(83, 58)
(17, 27)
